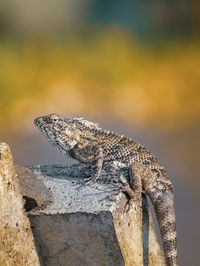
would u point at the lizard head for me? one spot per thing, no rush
(58, 130)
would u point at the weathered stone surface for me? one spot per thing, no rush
(16, 239)
(33, 189)
(86, 224)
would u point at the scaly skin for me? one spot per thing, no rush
(86, 142)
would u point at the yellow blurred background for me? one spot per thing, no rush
(108, 71)
(132, 66)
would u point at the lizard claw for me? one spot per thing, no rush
(121, 188)
(90, 179)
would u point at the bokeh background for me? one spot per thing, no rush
(132, 66)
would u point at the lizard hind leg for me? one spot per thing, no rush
(133, 188)
(136, 172)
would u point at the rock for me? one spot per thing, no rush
(87, 223)
(16, 239)
(33, 189)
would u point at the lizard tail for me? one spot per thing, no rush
(160, 191)
(164, 208)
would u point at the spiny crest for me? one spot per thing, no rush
(87, 123)
(113, 134)
(95, 127)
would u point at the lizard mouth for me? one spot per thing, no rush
(37, 122)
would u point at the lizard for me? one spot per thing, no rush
(86, 142)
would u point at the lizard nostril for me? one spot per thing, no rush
(38, 121)
(35, 122)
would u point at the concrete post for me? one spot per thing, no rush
(75, 223)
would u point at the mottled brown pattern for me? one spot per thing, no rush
(86, 142)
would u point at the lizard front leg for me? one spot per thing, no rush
(89, 154)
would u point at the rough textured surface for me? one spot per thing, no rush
(16, 240)
(86, 224)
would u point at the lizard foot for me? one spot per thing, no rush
(126, 188)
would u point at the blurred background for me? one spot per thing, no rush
(131, 66)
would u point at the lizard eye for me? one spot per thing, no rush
(54, 117)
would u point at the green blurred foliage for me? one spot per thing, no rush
(106, 72)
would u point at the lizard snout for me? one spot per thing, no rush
(38, 121)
